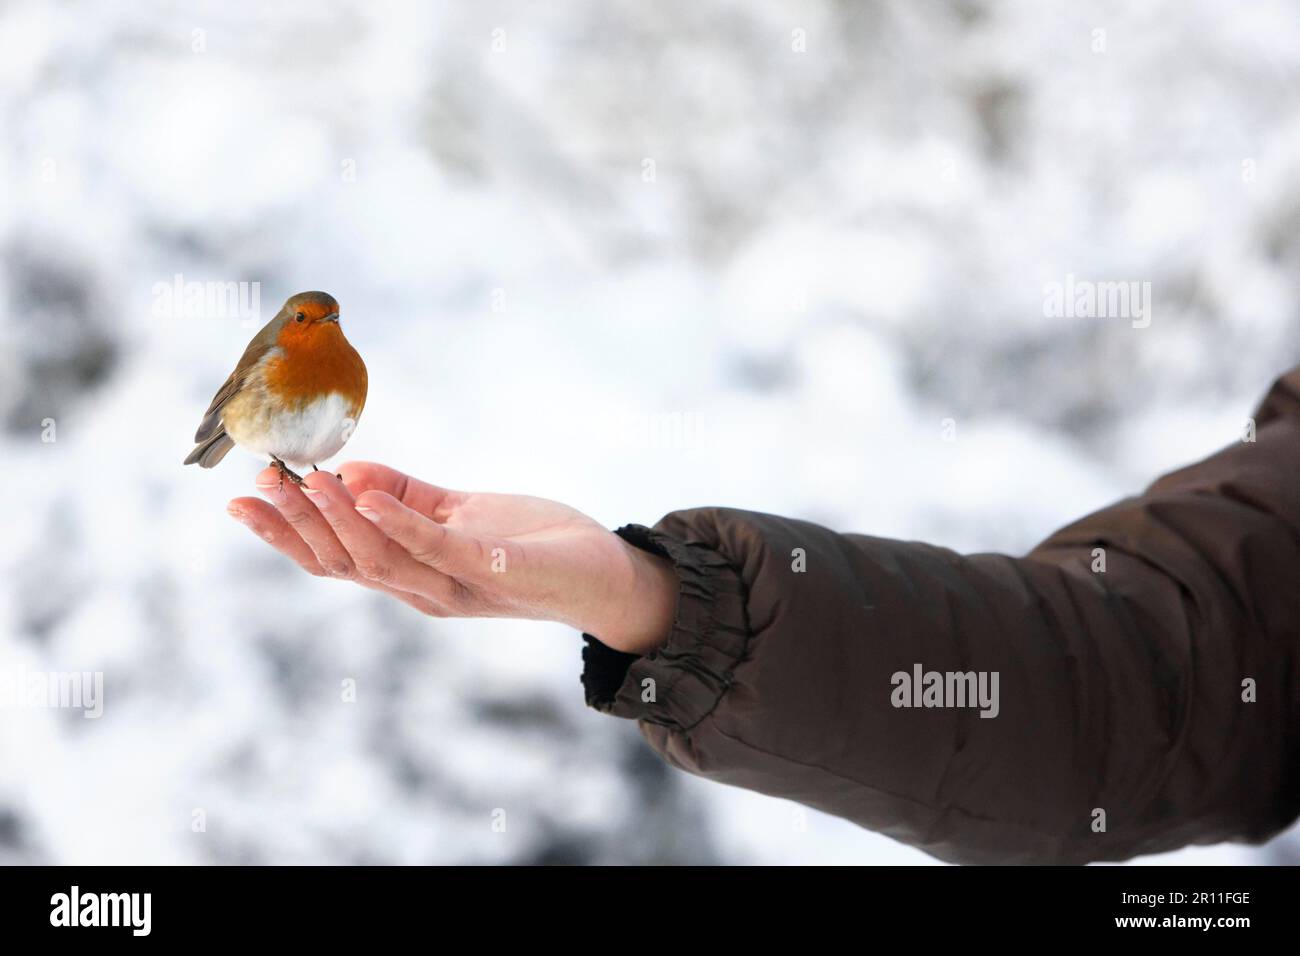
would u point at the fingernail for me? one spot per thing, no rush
(239, 516)
(368, 513)
(320, 500)
(271, 491)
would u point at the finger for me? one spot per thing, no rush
(450, 552)
(303, 517)
(267, 523)
(374, 555)
(429, 500)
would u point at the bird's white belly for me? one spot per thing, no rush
(304, 437)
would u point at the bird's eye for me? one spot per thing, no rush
(300, 317)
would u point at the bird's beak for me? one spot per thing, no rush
(332, 317)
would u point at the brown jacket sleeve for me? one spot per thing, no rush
(1158, 697)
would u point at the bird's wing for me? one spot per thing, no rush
(212, 417)
(262, 343)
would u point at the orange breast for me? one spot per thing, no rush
(311, 369)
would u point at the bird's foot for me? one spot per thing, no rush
(338, 474)
(285, 472)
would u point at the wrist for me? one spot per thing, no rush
(636, 615)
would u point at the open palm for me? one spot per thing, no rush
(453, 553)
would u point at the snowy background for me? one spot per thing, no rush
(807, 232)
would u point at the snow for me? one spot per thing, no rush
(838, 250)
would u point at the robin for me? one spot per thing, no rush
(295, 395)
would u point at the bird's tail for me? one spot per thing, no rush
(211, 451)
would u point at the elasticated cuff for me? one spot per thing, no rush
(680, 683)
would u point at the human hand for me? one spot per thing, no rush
(460, 554)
